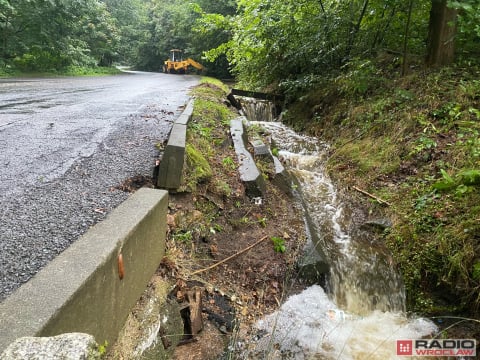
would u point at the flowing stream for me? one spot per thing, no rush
(360, 312)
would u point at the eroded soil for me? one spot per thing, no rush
(249, 285)
(239, 253)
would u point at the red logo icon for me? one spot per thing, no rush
(404, 347)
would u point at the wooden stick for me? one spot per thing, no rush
(194, 298)
(372, 196)
(230, 257)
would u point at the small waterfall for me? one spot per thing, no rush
(361, 277)
(361, 313)
(254, 109)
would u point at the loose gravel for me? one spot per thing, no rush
(47, 218)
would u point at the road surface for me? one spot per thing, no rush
(66, 144)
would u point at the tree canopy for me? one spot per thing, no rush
(264, 43)
(292, 42)
(48, 34)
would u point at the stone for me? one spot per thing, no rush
(377, 224)
(153, 329)
(71, 346)
(313, 264)
(312, 267)
(183, 220)
(261, 150)
(281, 179)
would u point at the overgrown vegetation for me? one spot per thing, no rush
(292, 46)
(288, 45)
(52, 35)
(212, 221)
(207, 131)
(413, 142)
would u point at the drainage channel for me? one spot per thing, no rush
(359, 311)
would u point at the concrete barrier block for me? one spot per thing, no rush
(183, 119)
(81, 289)
(171, 166)
(249, 173)
(186, 115)
(281, 179)
(189, 108)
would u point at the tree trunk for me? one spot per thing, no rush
(441, 34)
(354, 31)
(405, 39)
(380, 34)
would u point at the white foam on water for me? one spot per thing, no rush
(310, 325)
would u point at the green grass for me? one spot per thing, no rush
(205, 134)
(83, 71)
(217, 83)
(69, 71)
(200, 170)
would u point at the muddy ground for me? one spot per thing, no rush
(239, 251)
(250, 284)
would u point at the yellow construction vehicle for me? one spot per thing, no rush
(176, 64)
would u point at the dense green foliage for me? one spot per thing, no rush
(287, 45)
(52, 35)
(172, 25)
(292, 44)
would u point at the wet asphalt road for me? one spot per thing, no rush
(65, 145)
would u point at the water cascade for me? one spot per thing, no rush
(254, 108)
(361, 312)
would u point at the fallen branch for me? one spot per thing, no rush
(381, 201)
(230, 257)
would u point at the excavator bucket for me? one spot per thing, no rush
(195, 64)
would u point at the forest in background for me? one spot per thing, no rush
(53, 35)
(285, 45)
(393, 85)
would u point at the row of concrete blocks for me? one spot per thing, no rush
(92, 286)
(169, 171)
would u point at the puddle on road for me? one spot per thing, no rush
(15, 103)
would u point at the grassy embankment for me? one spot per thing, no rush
(413, 142)
(6, 72)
